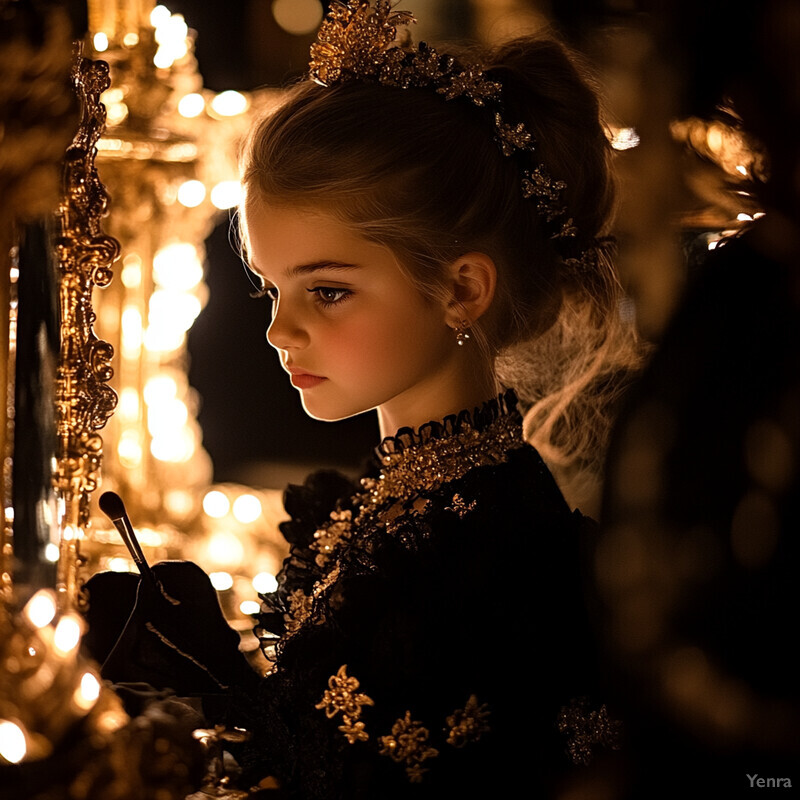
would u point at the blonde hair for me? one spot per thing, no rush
(424, 176)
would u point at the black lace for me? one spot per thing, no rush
(479, 418)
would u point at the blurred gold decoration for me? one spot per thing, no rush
(64, 735)
(168, 156)
(84, 402)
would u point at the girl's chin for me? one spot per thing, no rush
(328, 413)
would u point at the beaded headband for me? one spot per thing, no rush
(357, 42)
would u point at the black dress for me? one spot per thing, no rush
(429, 631)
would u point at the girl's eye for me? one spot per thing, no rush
(329, 295)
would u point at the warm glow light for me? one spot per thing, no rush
(744, 218)
(171, 29)
(173, 310)
(265, 582)
(159, 389)
(216, 504)
(119, 564)
(297, 17)
(131, 276)
(67, 634)
(226, 194)
(170, 34)
(85, 696)
(51, 552)
(112, 95)
(221, 581)
(70, 532)
(13, 746)
(159, 15)
(41, 608)
(179, 502)
(131, 331)
(225, 550)
(162, 59)
(249, 607)
(129, 449)
(247, 508)
(177, 267)
(116, 113)
(128, 408)
(174, 446)
(741, 170)
(229, 103)
(191, 193)
(166, 417)
(163, 338)
(191, 105)
(130, 39)
(100, 42)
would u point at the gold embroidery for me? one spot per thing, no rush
(328, 538)
(342, 696)
(468, 724)
(585, 728)
(460, 506)
(354, 732)
(407, 745)
(300, 605)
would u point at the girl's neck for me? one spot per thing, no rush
(466, 387)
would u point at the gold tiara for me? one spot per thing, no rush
(358, 41)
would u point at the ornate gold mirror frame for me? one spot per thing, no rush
(84, 401)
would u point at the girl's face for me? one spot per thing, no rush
(351, 329)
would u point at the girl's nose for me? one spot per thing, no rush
(285, 331)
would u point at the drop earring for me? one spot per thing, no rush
(462, 333)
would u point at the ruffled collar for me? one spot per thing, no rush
(479, 419)
(438, 452)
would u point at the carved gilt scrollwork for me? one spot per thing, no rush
(84, 401)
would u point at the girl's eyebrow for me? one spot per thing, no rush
(314, 266)
(304, 269)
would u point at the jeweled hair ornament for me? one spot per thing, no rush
(358, 41)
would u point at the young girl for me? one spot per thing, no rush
(415, 217)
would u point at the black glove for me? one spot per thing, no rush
(175, 636)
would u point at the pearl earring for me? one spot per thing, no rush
(462, 333)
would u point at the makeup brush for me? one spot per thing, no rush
(112, 506)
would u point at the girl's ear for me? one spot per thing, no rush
(473, 278)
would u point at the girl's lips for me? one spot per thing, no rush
(303, 380)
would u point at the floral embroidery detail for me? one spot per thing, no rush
(460, 506)
(354, 731)
(342, 695)
(300, 605)
(585, 728)
(329, 537)
(407, 745)
(468, 724)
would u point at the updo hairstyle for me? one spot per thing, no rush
(423, 176)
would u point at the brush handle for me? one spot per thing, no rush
(112, 506)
